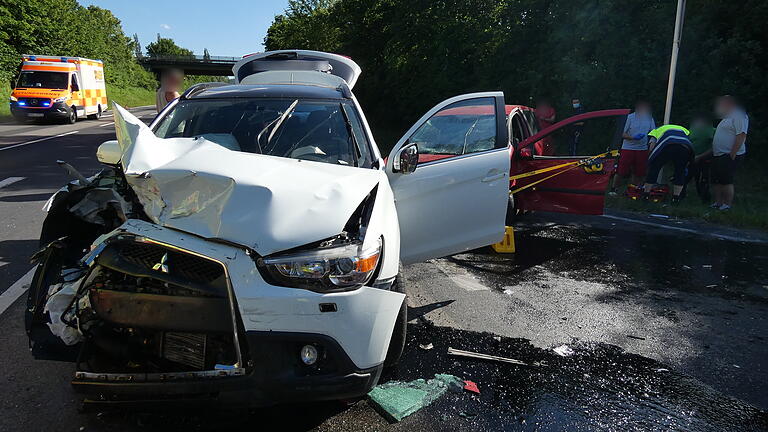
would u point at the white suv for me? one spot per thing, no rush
(249, 241)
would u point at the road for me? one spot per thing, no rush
(666, 321)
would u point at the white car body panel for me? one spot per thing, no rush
(454, 204)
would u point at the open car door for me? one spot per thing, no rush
(449, 175)
(564, 185)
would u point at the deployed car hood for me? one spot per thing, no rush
(263, 202)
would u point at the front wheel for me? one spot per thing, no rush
(397, 343)
(72, 115)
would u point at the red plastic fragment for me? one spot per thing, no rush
(471, 386)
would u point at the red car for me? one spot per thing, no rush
(579, 189)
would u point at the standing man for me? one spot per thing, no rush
(634, 149)
(701, 136)
(728, 149)
(170, 84)
(578, 127)
(545, 114)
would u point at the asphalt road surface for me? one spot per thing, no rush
(664, 323)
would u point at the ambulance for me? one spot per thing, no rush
(59, 88)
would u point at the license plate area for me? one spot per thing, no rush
(35, 114)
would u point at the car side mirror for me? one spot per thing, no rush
(526, 153)
(406, 159)
(75, 87)
(109, 152)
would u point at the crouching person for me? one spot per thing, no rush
(669, 144)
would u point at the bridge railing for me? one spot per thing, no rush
(189, 59)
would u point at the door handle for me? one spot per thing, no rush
(492, 176)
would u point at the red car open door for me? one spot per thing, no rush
(569, 187)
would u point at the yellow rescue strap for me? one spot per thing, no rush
(568, 166)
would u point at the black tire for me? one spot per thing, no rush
(511, 212)
(95, 116)
(397, 343)
(72, 119)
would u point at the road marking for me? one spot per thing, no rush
(107, 124)
(38, 140)
(16, 290)
(9, 181)
(687, 230)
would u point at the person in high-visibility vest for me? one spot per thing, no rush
(669, 144)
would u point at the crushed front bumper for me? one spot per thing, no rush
(274, 375)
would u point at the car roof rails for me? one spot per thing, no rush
(197, 88)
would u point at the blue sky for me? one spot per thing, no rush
(225, 27)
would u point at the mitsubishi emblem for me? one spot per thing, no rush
(162, 265)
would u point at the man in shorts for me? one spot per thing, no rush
(728, 149)
(634, 148)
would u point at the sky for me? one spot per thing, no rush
(227, 28)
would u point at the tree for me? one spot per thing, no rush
(136, 46)
(166, 46)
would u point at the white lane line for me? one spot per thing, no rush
(38, 140)
(16, 290)
(688, 230)
(107, 124)
(9, 181)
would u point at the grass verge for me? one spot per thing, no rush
(750, 207)
(130, 96)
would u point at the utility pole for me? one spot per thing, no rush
(679, 18)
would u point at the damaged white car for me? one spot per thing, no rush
(246, 246)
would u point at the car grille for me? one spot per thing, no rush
(36, 102)
(185, 265)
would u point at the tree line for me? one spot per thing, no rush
(608, 53)
(65, 28)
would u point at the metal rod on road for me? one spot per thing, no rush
(679, 18)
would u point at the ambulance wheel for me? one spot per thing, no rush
(397, 342)
(72, 115)
(95, 116)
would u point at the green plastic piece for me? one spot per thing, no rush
(398, 399)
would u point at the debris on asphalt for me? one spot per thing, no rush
(480, 356)
(711, 286)
(707, 266)
(467, 414)
(563, 350)
(471, 386)
(635, 337)
(428, 346)
(396, 400)
(659, 216)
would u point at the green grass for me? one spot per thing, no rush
(750, 207)
(5, 109)
(130, 96)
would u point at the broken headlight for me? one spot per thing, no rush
(330, 269)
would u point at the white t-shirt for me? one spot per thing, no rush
(736, 123)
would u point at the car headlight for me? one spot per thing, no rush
(60, 99)
(13, 98)
(339, 268)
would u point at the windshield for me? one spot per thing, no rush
(40, 79)
(319, 130)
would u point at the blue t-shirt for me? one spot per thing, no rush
(637, 125)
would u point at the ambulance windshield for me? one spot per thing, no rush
(41, 79)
